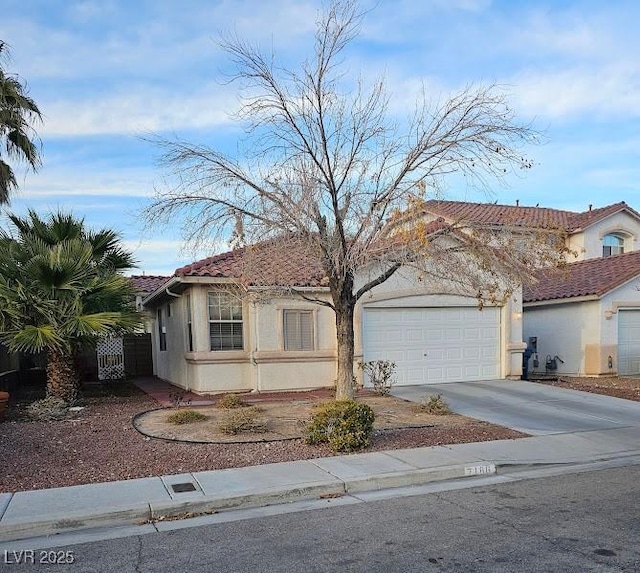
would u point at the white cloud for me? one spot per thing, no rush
(163, 257)
(142, 110)
(612, 91)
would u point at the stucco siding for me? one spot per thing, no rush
(169, 364)
(570, 331)
(589, 242)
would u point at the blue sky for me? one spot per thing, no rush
(105, 72)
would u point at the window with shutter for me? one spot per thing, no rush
(298, 330)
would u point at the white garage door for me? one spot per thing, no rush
(629, 342)
(433, 345)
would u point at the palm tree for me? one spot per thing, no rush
(59, 290)
(18, 112)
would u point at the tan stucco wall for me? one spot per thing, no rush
(263, 365)
(169, 364)
(583, 334)
(570, 331)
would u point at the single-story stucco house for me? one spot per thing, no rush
(218, 331)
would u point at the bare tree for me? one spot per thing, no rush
(323, 161)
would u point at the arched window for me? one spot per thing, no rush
(612, 245)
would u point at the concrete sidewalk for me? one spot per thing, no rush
(53, 511)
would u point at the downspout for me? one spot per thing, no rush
(187, 369)
(254, 347)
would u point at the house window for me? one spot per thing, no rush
(162, 331)
(225, 321)
(612, 245)
(298, 330)
(187, 302)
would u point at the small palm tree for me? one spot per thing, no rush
(61, 290)
(18, 112)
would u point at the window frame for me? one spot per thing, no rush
(233, 321)
(162, 332)
(612, 250)
(298, 345)
(188, 322)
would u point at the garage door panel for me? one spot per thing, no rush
(454, 354)
(471, 353)
(629, 341)
(432, 345)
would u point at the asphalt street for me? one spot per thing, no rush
(577, 522)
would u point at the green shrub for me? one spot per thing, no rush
(230, 401)
(243, 420)
(186, 417)
(346, 425)
(434, 405)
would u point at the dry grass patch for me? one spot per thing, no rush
(185, 417)
(283, 420)
(243, 421)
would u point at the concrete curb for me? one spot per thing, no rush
(74, 521)
(139, 513)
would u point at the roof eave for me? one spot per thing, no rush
(556, 301)
(160, 292)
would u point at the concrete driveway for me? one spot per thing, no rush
(529, 407)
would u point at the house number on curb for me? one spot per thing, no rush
(479, 470)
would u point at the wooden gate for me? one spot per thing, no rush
(137, 355)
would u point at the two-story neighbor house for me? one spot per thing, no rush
(588, 313)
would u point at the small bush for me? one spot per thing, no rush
(230, 401)
(185, 417)
(381, 375)
(48, 409)
(434, 405)
(243, 420)
(346, 425)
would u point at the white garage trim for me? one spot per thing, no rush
(629, 342)
(433, 345)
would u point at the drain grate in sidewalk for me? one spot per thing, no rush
(182, 487)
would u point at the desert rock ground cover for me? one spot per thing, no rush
(99, 443)
(618, 387)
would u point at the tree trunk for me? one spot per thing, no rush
(344, 308)
(62, 377)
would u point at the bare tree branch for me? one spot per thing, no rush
(324, 161)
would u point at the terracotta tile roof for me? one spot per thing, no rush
(521, 216)
(582, 220)
(147, 283)
(593, 277)
(263, 264)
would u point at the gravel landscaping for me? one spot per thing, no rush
(618, 387)
(99, 443)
